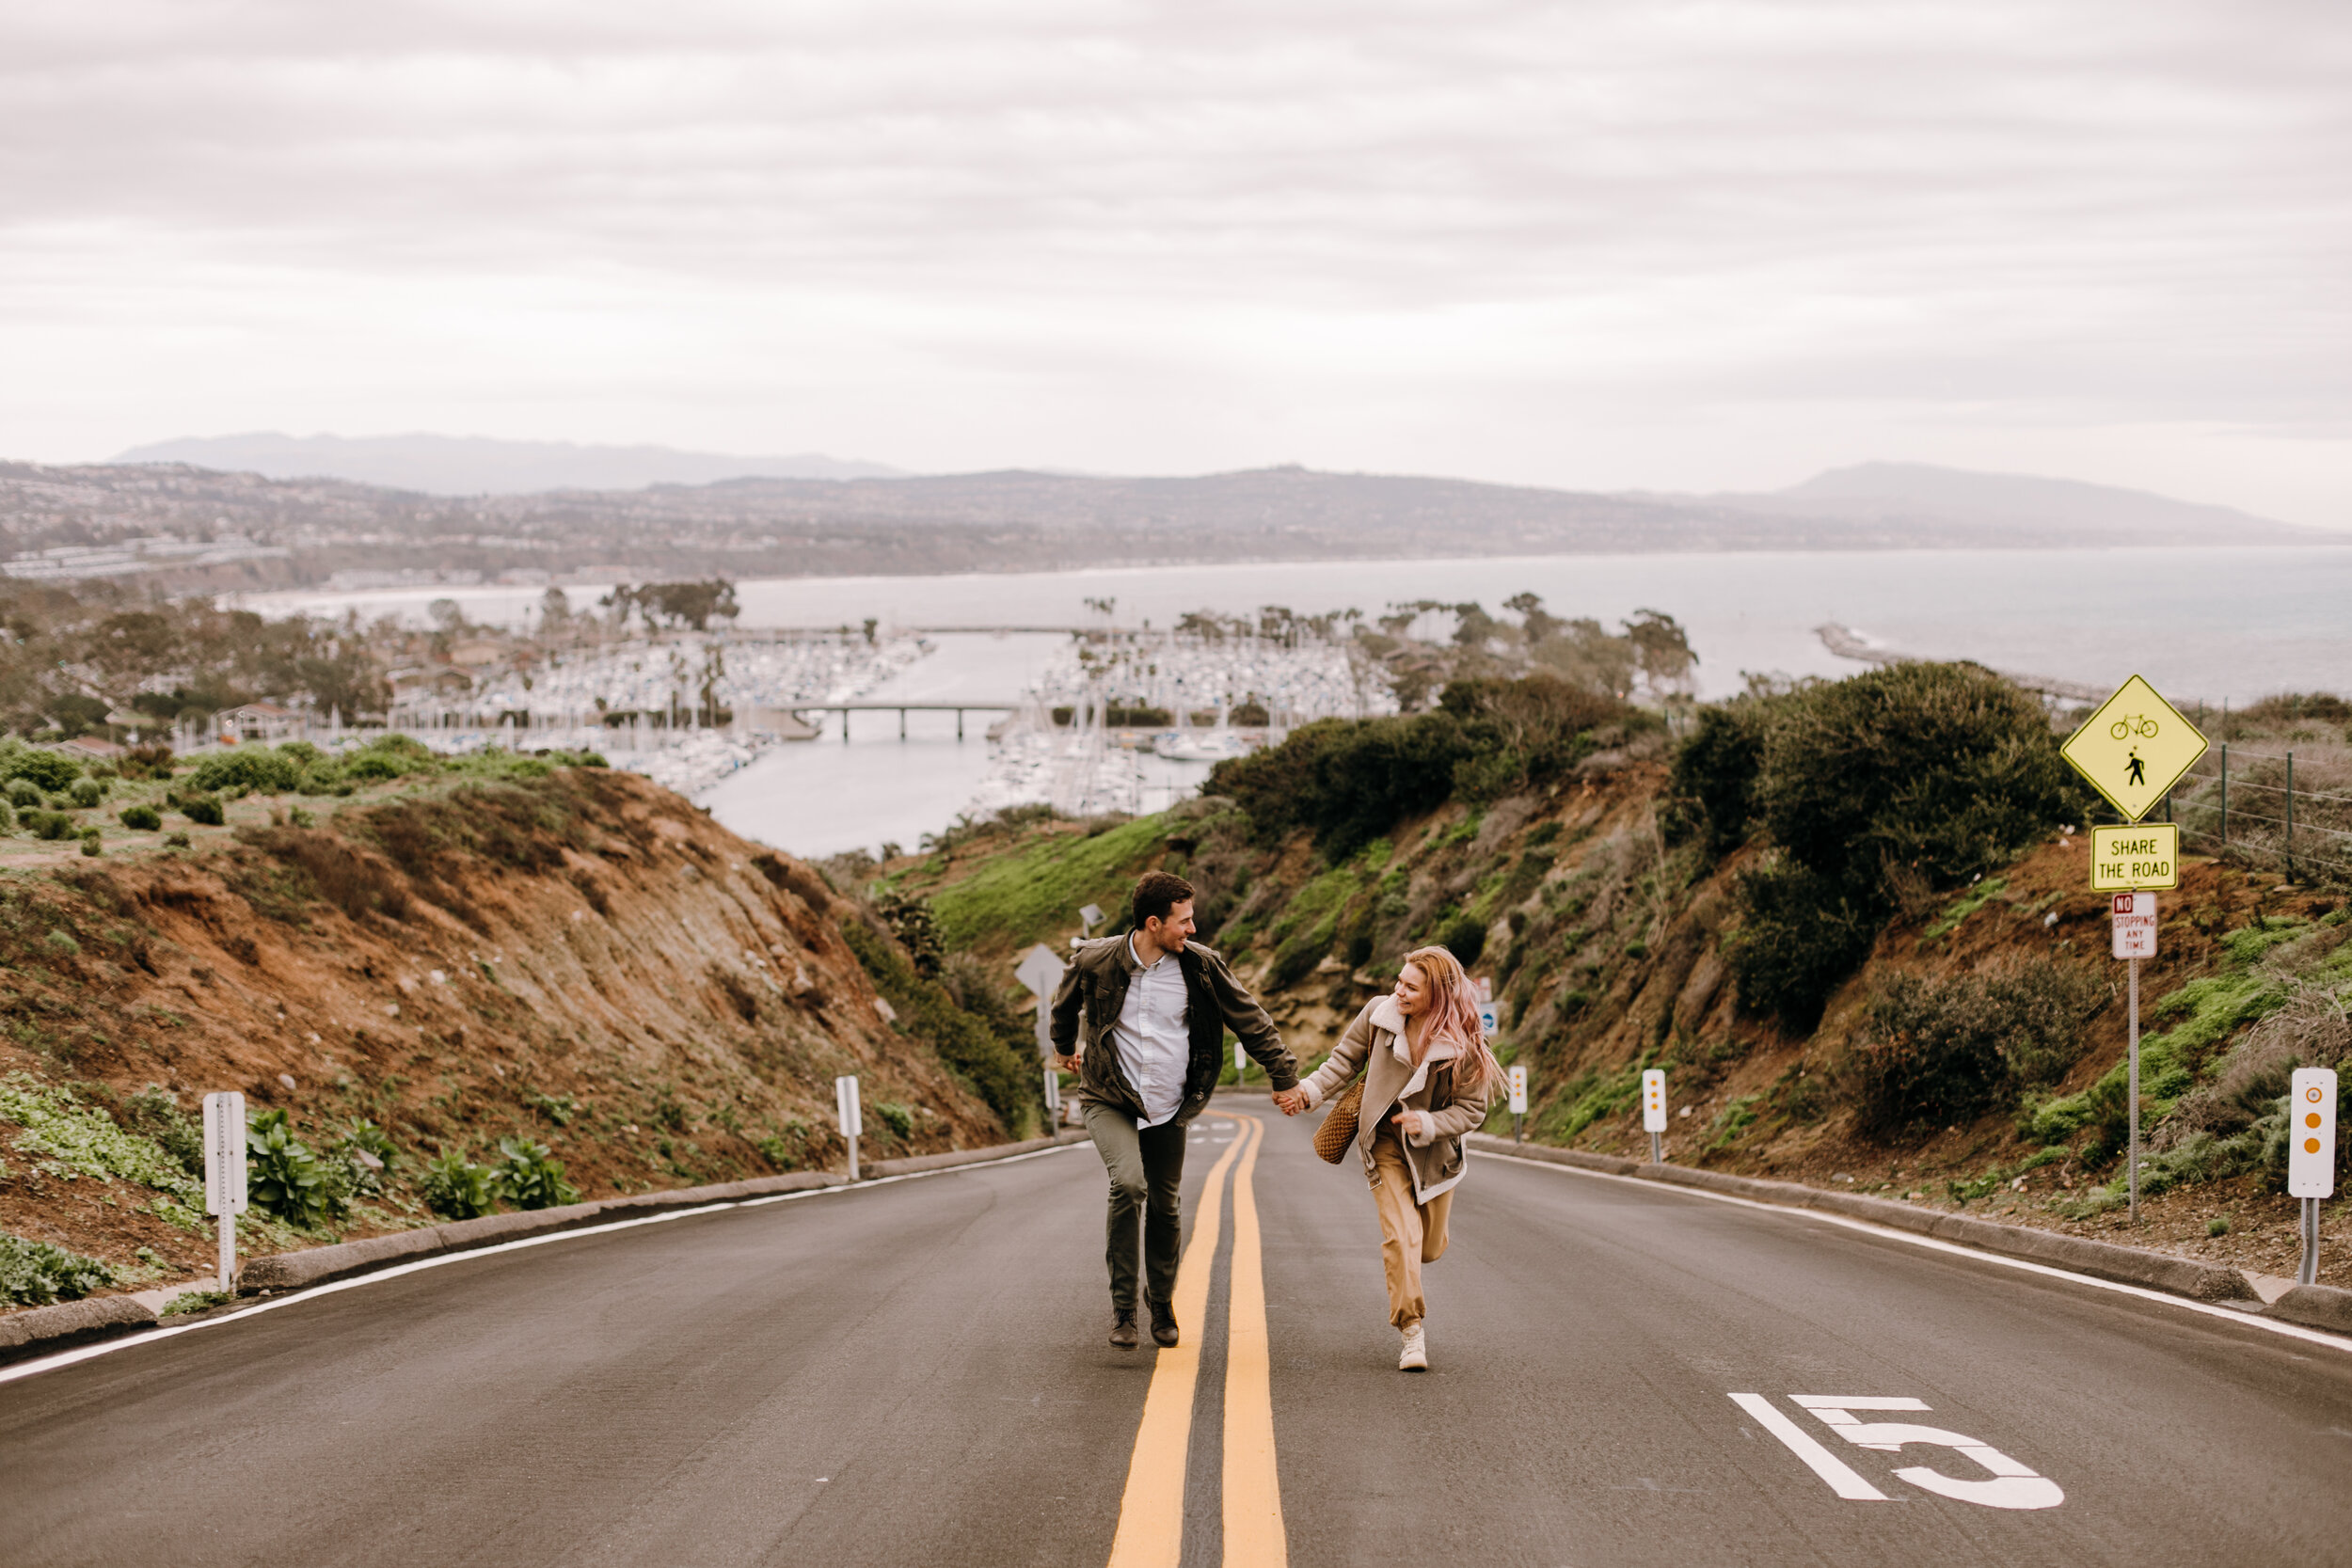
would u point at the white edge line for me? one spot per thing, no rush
(86, 1353)
(2292, 1331)
(1841, 1476)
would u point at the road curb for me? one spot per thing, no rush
(69, 1324)
(2315, 1307)
(43, 1329)
(2156, 1271)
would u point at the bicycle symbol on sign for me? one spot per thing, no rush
(2131, 724)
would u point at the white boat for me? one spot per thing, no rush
(1203, 744)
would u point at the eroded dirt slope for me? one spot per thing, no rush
(582, 958)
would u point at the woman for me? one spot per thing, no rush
(1428, 1076)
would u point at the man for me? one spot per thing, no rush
(1141, 1019)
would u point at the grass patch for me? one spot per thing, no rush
(34, 1273)
(1034, 893)
(77, 1139)
(1976, 898)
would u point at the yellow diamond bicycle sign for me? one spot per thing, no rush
(2134, 748)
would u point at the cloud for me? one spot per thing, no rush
(1167, 235)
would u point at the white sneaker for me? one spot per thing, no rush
(1416, 1355)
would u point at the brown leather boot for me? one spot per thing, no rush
(1123, 1329)
(1163, 1323)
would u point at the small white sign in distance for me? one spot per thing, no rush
(1654, 1101)
(2311, 1129)
(2135, 918)
(1519, 1090)
(1091, 916)
(1486, 989)
(1489, 1020)
(846, 1103)
(224, 1153)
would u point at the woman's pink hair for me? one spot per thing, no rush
(1453, 1015)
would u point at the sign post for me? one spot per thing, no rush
(2133, 750)
(853, 1117)
(2311, 1154)
(1654, 1112)
(224, 1175)
(1519, 1102)
(2133, 916)
(1089, 918)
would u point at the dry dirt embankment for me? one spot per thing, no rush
(580, 958)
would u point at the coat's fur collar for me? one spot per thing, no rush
(1387, 1016)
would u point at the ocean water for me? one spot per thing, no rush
(2209, 625)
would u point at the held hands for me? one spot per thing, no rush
(1067, 1064)
(1289, 1102)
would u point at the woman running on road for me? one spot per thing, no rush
(1428, 1076)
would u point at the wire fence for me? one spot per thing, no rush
(2246, 807)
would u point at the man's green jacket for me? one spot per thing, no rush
(1095, 989)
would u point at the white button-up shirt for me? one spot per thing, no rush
(1154, 1048)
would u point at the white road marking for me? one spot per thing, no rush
(1840, 1476)
(88, 1353)
(2013, 1485)
(2250, 1320)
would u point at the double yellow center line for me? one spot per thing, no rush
(1152, 1514)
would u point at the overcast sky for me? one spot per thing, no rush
(1668, 245)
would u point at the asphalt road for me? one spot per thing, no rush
(916, 1373)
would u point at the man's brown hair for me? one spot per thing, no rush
(1158, 891)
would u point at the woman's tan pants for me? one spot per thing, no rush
(1411, 1233)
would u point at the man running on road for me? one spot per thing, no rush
(1141, 1019)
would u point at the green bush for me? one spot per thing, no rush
(284, 1178)
(93, 842)
(455, 1188)
(1945, 768)
(1930, 774)
(145, 818)
(24, 794)
(899, 1117)
(87, 793)
(49, 771)
(530, 1177)
(1348, 780)
(964, 1041)
(188, 1302)
(34, 1273)
(1943, 1053)
(176, 841)
(50, 825)
(252, 767)
(1466, 939)
(202, 808)
(1711, 789)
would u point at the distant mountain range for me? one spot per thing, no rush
(480, 466)
(150, 519)
(1918, 495)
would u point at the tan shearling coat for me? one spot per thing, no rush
(1433, 1139)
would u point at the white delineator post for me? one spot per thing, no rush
(853, 1115)
(1519, 1102)
(224, 1175)
(1654, 1112)
(2134, 920)
(2310, 1155)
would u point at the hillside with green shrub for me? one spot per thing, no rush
(1851, 920)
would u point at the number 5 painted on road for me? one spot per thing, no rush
(2010, 1486)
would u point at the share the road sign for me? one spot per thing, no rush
(2147, 855)
(2134, 748)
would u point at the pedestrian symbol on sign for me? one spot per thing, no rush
(2137, 774)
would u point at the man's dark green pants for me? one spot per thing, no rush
(1147, 1172)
